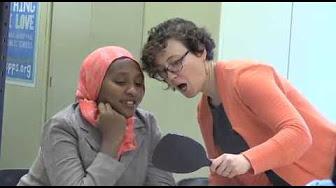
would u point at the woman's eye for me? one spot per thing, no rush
(139, 84)
(120, 82)
(176, 63)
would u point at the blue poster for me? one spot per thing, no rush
(21, 51)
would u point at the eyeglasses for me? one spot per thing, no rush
(173, 67)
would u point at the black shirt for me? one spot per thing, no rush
(231, 142)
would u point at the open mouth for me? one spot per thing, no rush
(129, 103)
(182, 87)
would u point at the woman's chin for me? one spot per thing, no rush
(189, 94)
(127, 114)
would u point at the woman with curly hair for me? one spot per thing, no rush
(257, 128)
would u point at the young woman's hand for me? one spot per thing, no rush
(230, 165)
(112, 126)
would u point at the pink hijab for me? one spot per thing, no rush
(92, 73)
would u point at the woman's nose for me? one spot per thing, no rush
(132, 90)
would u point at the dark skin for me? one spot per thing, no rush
(121, 92)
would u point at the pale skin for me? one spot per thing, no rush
(121, 92)
(194, 75)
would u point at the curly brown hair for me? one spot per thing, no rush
(194, 38)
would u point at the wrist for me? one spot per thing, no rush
(247, 164)
(110, 149)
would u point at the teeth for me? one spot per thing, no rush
(130, 102)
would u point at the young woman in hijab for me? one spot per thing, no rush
(103, 138)
(257, 128)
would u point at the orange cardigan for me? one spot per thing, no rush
(284, 131)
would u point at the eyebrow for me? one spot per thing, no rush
(171, 57)
(122, 73)
(126, 73)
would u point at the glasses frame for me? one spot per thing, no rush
(174, 67)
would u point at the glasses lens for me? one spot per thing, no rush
(177, 65)
(158, 76)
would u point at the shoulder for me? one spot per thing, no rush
(65, 120)
(144, 115)
(242, 72)
(147, 118)
(242, 66)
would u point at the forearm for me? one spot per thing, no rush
(157, 177)
(104, 170)
(282, 149)
(109, 148)
(264, 95)
(65, 164)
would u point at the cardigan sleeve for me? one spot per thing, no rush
(261, 91)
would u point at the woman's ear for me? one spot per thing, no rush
(204, 54)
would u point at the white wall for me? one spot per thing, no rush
(258, 31)
(296, 38)
(312, 54)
